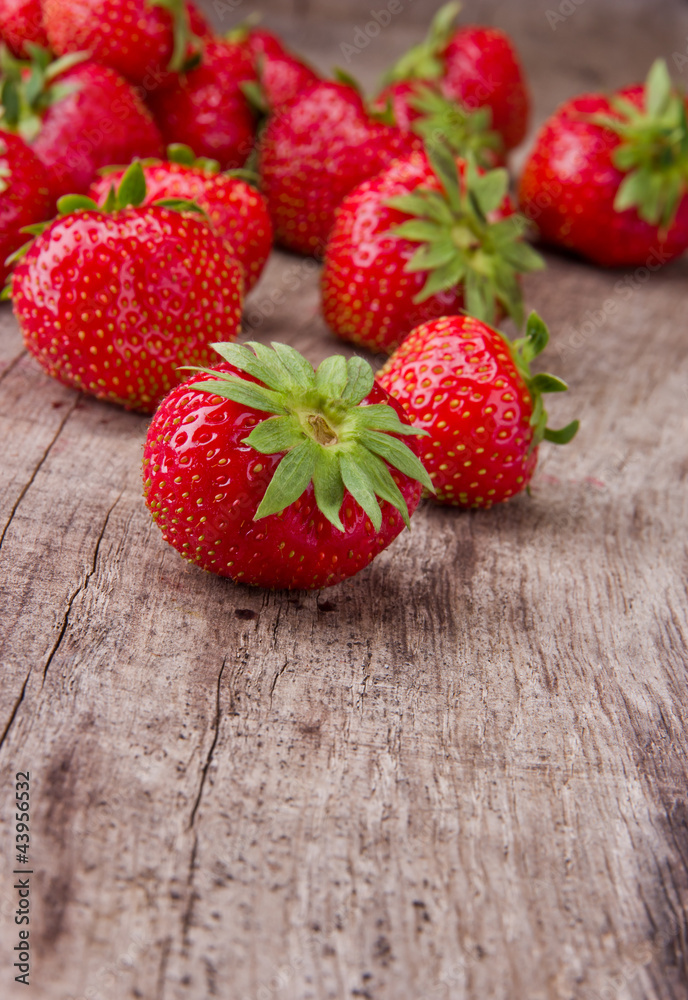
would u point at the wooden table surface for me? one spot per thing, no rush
(460, 775)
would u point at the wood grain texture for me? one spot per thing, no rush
(459, 776)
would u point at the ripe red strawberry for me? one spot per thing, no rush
(24, 194)
(476, 66)
(378, 283)
(78, 116)
(281, 74)
(608, 177)
(206, 108)
(270, 473)
(113, 303)
(317, 149)
(140, 39)
(472, 391)
(237, 211)
(21, 21)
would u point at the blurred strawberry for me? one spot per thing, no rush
(476, 66)
(608, 176)
(24, 195)
(141, 39)
(206, 109)
(21, 21)
(237, 211)
(313, 152)
(281, 74)
(78, 116)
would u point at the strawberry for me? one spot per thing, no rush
(113, 301)
(608, 176)
(472, 391)
(206, 108)
(237, 211)
(313, 152)
(21, 21)
(378, 283)
(270, 473)
(139, 39)
(24, 194)
(475, 66)
(281, 74)
(78, 116)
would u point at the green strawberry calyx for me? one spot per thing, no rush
(465, 132)
(131, 193)
(317, 419)
(653, 152)
(523, 351)
(5, 172)
(460, 244)
(425, 61)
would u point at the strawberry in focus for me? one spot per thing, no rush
(21, 21)
(278, 476)
(475, 66)
(24, 195)
(319, 147)
(472, 391)
(140, 39)
(608, 176)
(424, 238)
(77, 116)
(113, 301)
(206, 108)
(237, 211)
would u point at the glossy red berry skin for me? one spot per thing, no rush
(237, 211)
(203, 487)
(206, 109)
(133, 37)
(482, 69)
(282, 74)
(367, 293)
(21, 21)
(113, 305)
(456, 379)
(314, 152)
(24, 200)
(101, 121)
(569, 184)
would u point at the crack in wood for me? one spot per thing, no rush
(15, 709)
(211, 749)
(79, 590)
(12, 365)
(35, 472)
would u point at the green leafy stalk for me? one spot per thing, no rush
(29, 87)
(523, 351)
(425, 61)
(461, 244)
(653, 152)
(465, 132)
(186, 46)
(318, 419)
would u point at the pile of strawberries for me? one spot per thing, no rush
(154, 164)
